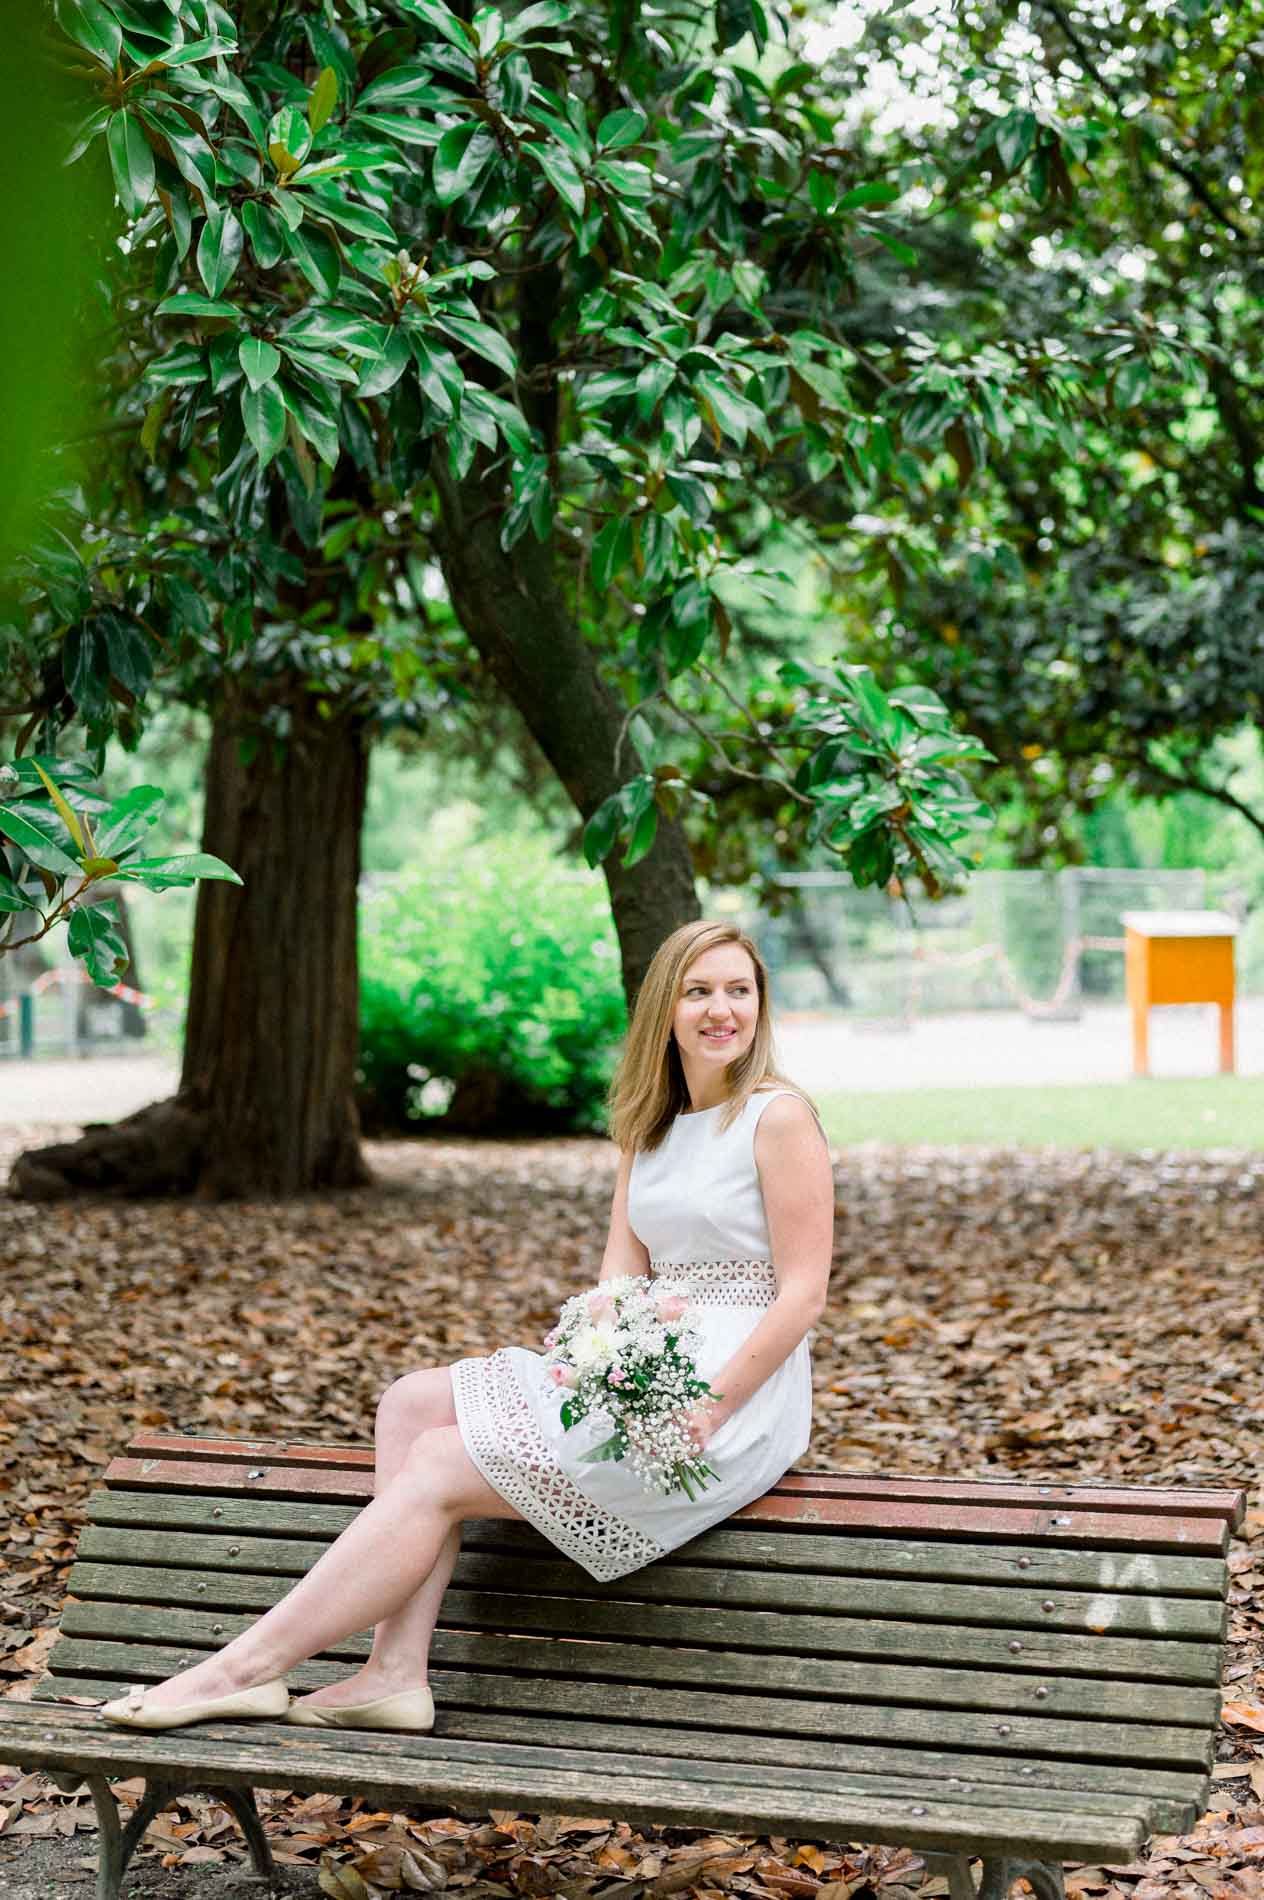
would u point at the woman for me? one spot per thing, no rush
(724, 1179)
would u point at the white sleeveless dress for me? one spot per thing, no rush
(695, 1202)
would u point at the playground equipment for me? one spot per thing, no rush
(1178, 956)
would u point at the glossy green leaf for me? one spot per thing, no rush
(33, 843)
(322, 99)
(873, 194)
(621, 127)
(128, 819)
(263, 413)
(602, 829)
(317, 257)
(611, 551)
(219, 250)
(329, 202)
(444, 22)
(192, 303)
(642, 837)
(263, 227)
(479, 337)
(384, 371)
(259, 359)
(93, 27)
(93, 937)
(1015, 138)
(461, 157)
(129, 653)
(289, 138)
(131, 161)
(562, 173)
(12, 896)
(186, 869)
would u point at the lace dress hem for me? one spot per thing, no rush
(501, 1434)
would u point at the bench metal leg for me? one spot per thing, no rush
(240, 1803)
(118, 1844)
(957, 1869)
(998, 1877)
(110, 1858)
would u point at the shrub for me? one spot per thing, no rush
(490, 994)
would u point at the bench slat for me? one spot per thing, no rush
(1031, 1565)
(1100, 1697)
(1119, 1531)
(1178, 1794)
(545, 1694)
(803, 1634)
(998, 1793)
(1189, 1618)
(1150, 1500)
(284, 1757)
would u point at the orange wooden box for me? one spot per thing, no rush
(1174, 956)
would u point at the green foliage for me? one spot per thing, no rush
(1089, 598)
(488, 964)
(878, 775)
(59, 837)
(596, 267)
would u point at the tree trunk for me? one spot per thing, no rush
(515, 614)
(266, 1104)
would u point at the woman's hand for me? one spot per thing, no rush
(701, 1422)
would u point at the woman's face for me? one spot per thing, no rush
(717, 1008)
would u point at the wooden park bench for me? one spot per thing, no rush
(1026, 1674)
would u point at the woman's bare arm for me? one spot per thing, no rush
(797, 1180)
(624, 1252)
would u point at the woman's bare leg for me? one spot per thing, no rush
(367, 1574)
(417, 1403)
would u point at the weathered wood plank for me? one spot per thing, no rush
(1120, 1531)
(1148, 1500)
(711, 1554)
(875, 1679)
(284, 1758)
(1178, 1794)
(1187, 1618)
(995, 1794)
(1094, 1654)
(550, 1696)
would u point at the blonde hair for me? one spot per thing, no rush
(649, 1088)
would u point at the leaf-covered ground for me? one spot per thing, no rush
(1074, 1315)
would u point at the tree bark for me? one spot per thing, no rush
(516, 616)
(266, 1103)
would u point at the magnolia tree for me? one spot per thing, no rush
(552, 299)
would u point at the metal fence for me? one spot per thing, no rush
(1045, 942)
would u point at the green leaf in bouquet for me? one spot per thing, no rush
(607, 1451)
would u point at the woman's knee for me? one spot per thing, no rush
(417, 1402)
(438, 1467)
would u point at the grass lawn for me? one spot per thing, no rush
(1203, 1112)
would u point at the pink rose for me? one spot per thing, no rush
(600, 1306)
(616, 1375)
(550, 1338)
(563, 1375)
(670, 1306)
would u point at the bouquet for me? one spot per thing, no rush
(628, 1349)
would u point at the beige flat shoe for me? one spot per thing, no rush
(129, 1711)
(409, 1710)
